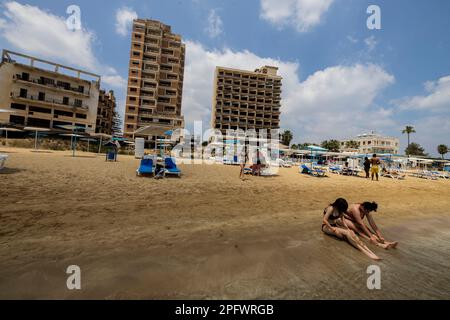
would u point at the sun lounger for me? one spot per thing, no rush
(314, 172)
(3, 158)
(171, 167)
(393, 175)
(146, 167)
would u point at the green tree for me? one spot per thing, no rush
(286, 137)
(331, 145)
(442, 150)
(352, 144)
(408, 130)
(415, 149)
(294, 147)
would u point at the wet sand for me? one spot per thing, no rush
(208, 234)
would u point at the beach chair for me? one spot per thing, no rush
(171, 167)
(146, 167)
(111, 156)
(314, 172)
(3, 158)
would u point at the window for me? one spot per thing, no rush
(65, 101)
(81, 89)
(80, 116)
(18, 106)
(78, 103)
(23, 93)
(25, 76)
(41, 96)
(41, 110)
(17, 119)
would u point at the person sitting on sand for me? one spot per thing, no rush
(334, 213)
(354, 220)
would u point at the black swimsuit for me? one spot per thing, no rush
(332, 217)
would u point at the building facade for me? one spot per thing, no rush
(246, 100)
(155, 79)
(373, 143)
(44, 94)
(105, 112)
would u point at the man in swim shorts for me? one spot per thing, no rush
(375, 162)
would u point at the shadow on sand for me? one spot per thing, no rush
(10, 170)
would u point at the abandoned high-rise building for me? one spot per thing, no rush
(246, 100)
(105, 112)
(44, 94)
(155, 79)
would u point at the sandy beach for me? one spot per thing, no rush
(208, 235)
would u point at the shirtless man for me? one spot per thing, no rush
(354, 220)
(375, 162)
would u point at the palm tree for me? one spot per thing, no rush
(442, 149)
(286, 137)
(408, 130)
(352, 144)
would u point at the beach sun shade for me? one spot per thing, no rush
(101, 135)
(315, 149)
(71, 127)
(88, 141)
(73, 140)
(9, 129)
(7, 111)
(36, 130)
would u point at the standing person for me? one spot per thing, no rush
(243, 158)
(257, 167)
(333, 214)
(375, 162)
(367, 167)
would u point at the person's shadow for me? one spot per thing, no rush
(10, 170)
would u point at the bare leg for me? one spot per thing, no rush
(353, 239)
(360, 232)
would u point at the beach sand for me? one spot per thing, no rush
(208, 235)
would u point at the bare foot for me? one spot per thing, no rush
(393, 244)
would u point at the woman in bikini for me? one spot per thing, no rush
(334, 213)
(354, 220)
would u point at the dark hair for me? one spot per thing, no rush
(374, 155)
(340, 204)
(370, 206)
(366, 158)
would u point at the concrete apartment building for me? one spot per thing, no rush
(44, 94)
(105, 112)
(246, 100)
(155, 79)
(373, 143)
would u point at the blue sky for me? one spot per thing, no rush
(340, 78)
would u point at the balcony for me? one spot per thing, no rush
(52, 102)
(39, 83)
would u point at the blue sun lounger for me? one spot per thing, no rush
(171, 167)
(146, 167)
(314, 172)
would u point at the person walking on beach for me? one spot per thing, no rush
(367, 167)
(354, 220)
(243, 158)
(375, 162)
(330, 226)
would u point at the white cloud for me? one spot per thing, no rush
(300, 14)
(335, 102)
(115, 81)
(124, 20)
(215, 24)
(40, 33)
(352, 39)
(438, 98)
(371, 43)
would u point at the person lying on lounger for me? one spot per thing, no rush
(330, 226)
(354, 220)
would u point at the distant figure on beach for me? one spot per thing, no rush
(375, 162)
(367, 167)
(256, 168)
(333, 224)
(354, 220)
(243, 158)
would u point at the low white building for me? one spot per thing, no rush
(372, 143)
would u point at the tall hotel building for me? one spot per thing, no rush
(155, 79)
(41, 93)
(246, 100)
